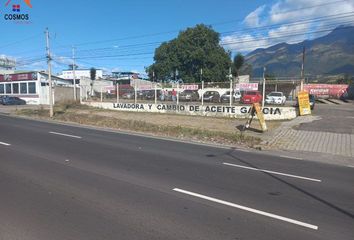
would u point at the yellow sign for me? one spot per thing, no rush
(304, 103)
(260, 116)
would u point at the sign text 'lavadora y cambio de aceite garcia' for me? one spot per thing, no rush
(194, 108)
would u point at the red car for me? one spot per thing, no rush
(250, 97)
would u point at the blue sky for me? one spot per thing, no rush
(122, 35)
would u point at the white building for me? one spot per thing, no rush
(32, 86)
(80, 73)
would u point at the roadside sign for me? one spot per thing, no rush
(260, 116)
(190, 87)
(246, 86)
(304, 103)
(256, 110)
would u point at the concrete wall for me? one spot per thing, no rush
(270, 113)
(62, 94)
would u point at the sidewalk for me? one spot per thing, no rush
(314, 135)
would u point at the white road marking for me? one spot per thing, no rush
(351, 166)
(271, 215)
(243, 150)
(278, 173)
(284, 156)
(5, 144)
(66, 135)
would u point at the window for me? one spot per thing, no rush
(2, 91)
(32, 87)
(23, 88)
(8, 88)
(15, 88)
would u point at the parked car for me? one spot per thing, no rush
(13, 101)
(1, 98)
(312, 99)
(150, 94)
(128, 95)
(189, 95)
(250, 97)
(275, 98)
(226, 96)
(211, 96)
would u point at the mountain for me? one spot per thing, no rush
(330, 54)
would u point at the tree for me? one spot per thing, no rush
(194, 49)
(93, 74)
(237, 64)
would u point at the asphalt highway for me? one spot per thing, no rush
(68, 182)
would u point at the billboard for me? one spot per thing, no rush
(7, 63)
(326, 90)
(18, 77)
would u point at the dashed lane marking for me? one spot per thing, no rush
(252, 210)
(65, 135)
(273, 172)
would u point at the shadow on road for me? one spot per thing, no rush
(323, 201)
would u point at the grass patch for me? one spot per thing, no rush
(68, 112)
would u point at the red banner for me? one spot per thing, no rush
(326, 90)
(18, 77)
(190, 87)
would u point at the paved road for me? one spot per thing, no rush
(334, 119)
(64, 182)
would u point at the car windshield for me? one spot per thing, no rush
(275, 94)
(251, 93)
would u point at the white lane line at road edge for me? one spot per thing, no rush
(284, 156)
(5, 144)
(271, 215)
(278, 173)
(65, 135)
(351, 166)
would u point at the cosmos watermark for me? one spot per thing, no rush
(17, 13)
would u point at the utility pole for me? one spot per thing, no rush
(74, 74)
(230, 79)
(49, 59)
(263, 92)
(303, 70)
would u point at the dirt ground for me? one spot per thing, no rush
(226, 125)
(208, 123)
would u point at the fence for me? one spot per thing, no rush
(203, 93)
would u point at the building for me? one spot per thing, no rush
(80, 73)
(33, 87)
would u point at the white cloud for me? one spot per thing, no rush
(292, 10)
(290, 21)
(245, 42)
(253, 19)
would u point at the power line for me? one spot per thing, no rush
(19, 41)
(281, 36)
(176, 31)
(334, 16)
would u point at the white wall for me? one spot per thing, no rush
(270, 113)
(68, 74)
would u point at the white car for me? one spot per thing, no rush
(275, 98)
